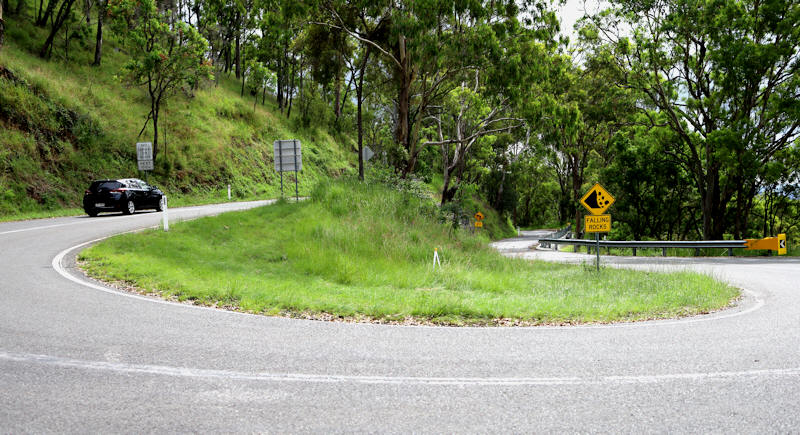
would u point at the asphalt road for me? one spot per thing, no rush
(83, 358)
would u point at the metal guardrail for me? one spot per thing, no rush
(556, 235)
(729, 244)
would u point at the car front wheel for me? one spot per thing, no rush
(160, 205)
(91, 212)
(129, 207)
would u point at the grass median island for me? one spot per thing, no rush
(365, 252)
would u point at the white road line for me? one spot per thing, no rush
(44, 227)
(233, 206)
(186, 372)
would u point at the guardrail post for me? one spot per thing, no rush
(696, 252)
(634, 252)
(730, 252)
(663, 252)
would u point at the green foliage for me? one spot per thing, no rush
(724, 74)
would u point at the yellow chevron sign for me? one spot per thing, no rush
(770, 243)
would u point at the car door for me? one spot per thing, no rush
(149, 197)
(135, 193)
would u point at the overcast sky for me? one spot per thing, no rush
(572, 11)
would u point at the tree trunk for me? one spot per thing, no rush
(61, 17)
(359, 120)
(238, 46)
(51, 6)
(155, 108)
(402, 133)
(39, 11)
(448, 193)
(290, 94)
(243, 76)
(713, 209)
(577, 181)
(2, 26)
(500, 188)
(279, 95)
(98, 48)
(337, 110)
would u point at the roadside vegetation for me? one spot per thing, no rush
(683, 110)
(64, 123)
(357, 251)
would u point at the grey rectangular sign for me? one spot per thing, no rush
(367, 153)
(288, 155)
(144, 155)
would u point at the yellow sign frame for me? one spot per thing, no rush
(601, 201)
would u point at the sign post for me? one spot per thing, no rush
(144, 157)
(288, 158)
(597, 200)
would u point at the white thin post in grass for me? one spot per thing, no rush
(165, 215)
(436, 258)
(229, 192)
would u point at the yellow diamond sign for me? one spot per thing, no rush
(597, 200)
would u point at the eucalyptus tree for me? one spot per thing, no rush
(654, 193)
(467, 116)
(166, 54)
(424, 45)
(726, 76)
(579, 126)
(61, 16)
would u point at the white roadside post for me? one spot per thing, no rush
(229, 192)
(436, 258)
(164, 215)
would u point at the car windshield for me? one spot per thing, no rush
(105, 185)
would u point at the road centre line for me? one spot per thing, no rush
(44, 227)
(186, 372)
(112, 218)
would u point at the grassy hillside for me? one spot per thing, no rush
(64, 123)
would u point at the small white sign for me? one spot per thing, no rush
(144, 155)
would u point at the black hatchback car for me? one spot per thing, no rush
(126, 195)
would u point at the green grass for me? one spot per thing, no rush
(363, 251)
